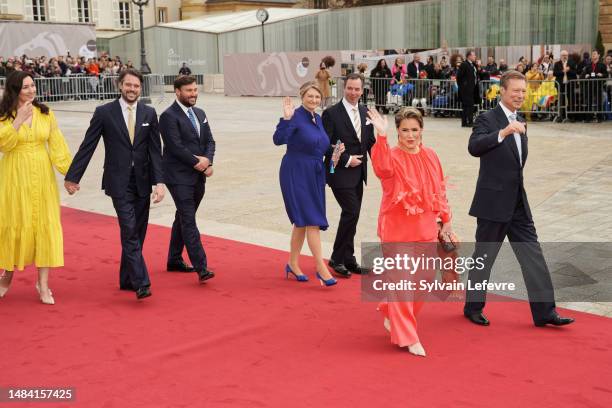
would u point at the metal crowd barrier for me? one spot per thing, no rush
(582, 99)
(83, 87)
(154, 84)
(588, 99)
(73, 87)
(438, 97)
(78, 87)
(337, 92)
(169, 79)
(542, 100)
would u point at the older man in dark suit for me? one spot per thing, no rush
(564, 71)
(189, 149)
(500, 204)
(132, 164)
(415, 67)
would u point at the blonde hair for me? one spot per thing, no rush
(408, 113)
(310, 85)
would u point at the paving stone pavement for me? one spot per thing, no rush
(567, 178)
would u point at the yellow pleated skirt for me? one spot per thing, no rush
(30, 225)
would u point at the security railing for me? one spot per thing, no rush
(587, 99)
(582, 99)
(542, 100)
(438, 97)
(169, 79)
(81, 87)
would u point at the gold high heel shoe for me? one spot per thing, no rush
(47, 300)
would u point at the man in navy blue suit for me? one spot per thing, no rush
(189, 149)
(132, 164)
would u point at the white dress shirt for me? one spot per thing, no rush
(349, 109)
(186, 109)
(517, 137)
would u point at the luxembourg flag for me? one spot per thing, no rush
(546, 100)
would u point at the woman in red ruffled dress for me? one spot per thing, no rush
(413, 201)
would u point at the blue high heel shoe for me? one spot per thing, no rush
(299, 278)
(328, 282)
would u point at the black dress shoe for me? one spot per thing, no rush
(477, 318)
(143, 292)
(179, 267)
(339, 269)
(205, 275)
(556, 320)
(357, 269)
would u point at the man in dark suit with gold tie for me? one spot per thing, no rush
(189, 149)
(132, 164)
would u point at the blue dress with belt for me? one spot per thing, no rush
(302, 172)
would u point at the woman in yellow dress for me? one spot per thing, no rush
(31, 145)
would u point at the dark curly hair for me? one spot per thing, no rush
(454, 58)
(10, 98)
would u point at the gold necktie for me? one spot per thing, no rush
(131, 123)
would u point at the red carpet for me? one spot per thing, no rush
(248, 338)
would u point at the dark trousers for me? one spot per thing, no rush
(185, 233)
(522, 235)
(349, 200)
(133, 216)
(380, 92)
(563, 99)
(467, 104)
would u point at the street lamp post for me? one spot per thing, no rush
(144, 66)
(263, 38)
(262, 16)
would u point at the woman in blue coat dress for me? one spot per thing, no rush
(302, 178)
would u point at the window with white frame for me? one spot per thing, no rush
(39, 10)
(84, 11)
(125, 20)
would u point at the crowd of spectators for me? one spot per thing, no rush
(63, 65)
(548, 78)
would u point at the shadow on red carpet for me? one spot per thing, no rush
(250, 338)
